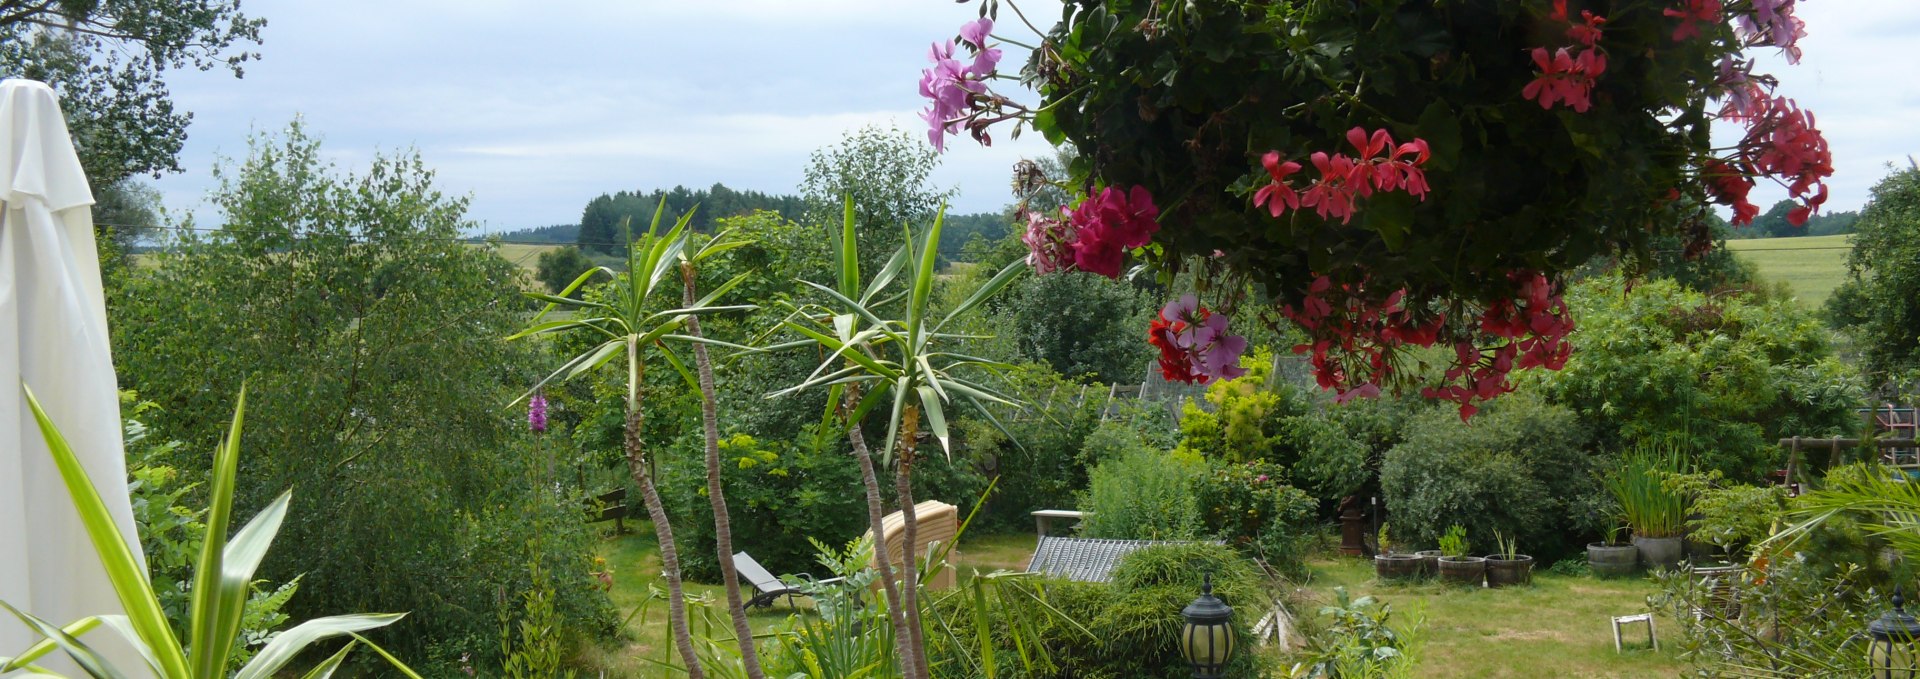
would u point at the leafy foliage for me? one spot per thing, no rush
(222, 584)
(371, 337)
(887, 177)
(1357, 639)
(1082, 324)
(1524, 468)
(108, 61)
(1880, 302)
(1144, 494)
(782, 494)
(1720, 378)
(1251, 507)
(1258, 418)
(560, 266)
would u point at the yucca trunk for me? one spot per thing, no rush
(896, 611)
(669, 554)
(909, 566)
(722, 524)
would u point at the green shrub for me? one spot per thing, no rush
(1523, 468)
(1719, 377)
(1040, 464)
(779, 494)
(1258, 419)
(1135, 620)
(1144, 494)
(1251, 507)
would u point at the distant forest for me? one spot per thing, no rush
(1774, 224)
(599, 228)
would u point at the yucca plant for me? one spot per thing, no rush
(1652, 507)
(222, 580)
(871, 358)
(626, 326)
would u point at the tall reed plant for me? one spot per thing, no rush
(1652, 507)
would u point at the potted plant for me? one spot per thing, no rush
(1654, 508)
(1455, 566)
(1508, 566)
(1612, 558)
(1388, 565)
(1429, 561)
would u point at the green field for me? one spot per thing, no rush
(1811, 266)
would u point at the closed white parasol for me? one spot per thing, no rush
(53, 338)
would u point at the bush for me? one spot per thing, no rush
(1144, 494)
(1720, 378)
(1042, 462)
(1522, 468)
(370, 337)
(1082, 325)
(1250, 507)
(1257, 418)
(1135, 620)
(1880, 302)
(779, 494)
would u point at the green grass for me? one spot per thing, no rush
(524, 256)
(1811, 266)
(1559, 627)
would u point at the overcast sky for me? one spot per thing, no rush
(532, 108)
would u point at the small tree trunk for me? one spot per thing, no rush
(896, 612)
(909, 561)
(722, 524)
(669, 554)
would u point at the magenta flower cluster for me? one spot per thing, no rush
(1096, 234)
(957, 89)
(1194, 343)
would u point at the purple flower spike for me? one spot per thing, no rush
(537, 413)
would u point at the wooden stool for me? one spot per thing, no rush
(1619, 620)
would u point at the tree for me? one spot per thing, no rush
(870, 359)
(108, 60)
(1082, 324)
(559, 266)
(369, 335)
(886, 174)
(1880, 301)
(600, 223)
(628, 324)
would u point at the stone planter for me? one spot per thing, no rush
(1612, 561)
(1514, 572)
(1396, 567)
(1463, 570)
(1429, 562)
(1660, 553)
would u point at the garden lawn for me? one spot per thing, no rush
(1557, 628)
(635, 559)
(1812, 266)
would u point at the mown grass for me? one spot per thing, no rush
(1559, 627)
(1811, 266)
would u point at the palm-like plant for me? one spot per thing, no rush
(871, 358)
(626, 325)
(222, 580)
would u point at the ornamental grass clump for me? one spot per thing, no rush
(1652, 506)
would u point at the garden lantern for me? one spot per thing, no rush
(1207, 639)
(1893, 653)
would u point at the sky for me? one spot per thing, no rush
(533, 108)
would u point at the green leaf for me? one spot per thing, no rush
(82, 655)
(1391, 216)
(992, 287)
(326, 668)
(936, 417)
(48, 645)
(848, 253)
(129, 578)
(1441, 128)
(219, 591)
(291, 642)
(673, 360)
